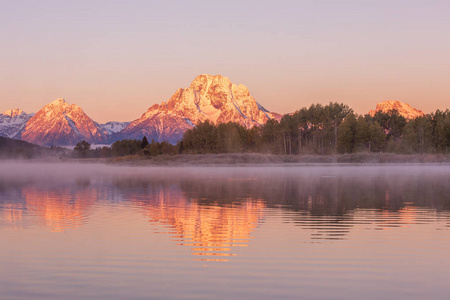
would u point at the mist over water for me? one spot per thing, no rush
(94, 230)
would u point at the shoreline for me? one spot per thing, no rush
(255, 159)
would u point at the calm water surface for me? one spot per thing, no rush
(323, 232)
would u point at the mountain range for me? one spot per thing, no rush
(212, 98)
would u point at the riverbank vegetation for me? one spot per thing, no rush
(318, 130)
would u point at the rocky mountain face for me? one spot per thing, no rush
(59, 123)
(114, 127)
(12, 121)
(404, 109)
(212, 98)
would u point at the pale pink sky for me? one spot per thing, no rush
(117, 58)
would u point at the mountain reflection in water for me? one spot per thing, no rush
(213, 215)
(209, 226)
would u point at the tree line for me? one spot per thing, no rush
(319, 129)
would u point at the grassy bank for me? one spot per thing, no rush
(257, 158)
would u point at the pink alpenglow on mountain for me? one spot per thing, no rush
(212, 98)
(404, 109)
(59, 123)
(13, 112)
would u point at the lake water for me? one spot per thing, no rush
(87, 231)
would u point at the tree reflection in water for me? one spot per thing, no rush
(213, 215)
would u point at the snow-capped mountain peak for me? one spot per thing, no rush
(404, 109)
(59, 123)
(58, 101)
(213, 98)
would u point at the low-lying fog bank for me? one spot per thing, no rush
(312, 187)
(40, 170)
(246, 159)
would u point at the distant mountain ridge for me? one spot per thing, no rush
(404, 109)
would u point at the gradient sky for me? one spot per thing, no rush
(117, 58)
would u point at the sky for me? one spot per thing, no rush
(115, 59)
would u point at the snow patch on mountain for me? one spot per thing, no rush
(114, 126)
(72, 125)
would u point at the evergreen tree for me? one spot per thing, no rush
(440, 121)
(377, 137)
(126, 147)
(270, 137)
(347, 135)
(392, 122)
(201, 139)
(82, 148)
(369, 136)
(418, 135)
(144, 142)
